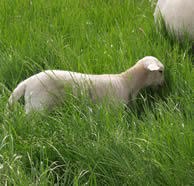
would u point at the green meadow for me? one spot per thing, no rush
(149, 142)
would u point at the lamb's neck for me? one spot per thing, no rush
(135, 79)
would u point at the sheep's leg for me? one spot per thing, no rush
(134, 96)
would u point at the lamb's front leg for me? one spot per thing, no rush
(132, 99)
(134, 95)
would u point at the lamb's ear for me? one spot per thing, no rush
(153, 67)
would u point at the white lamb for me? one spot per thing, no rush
(178, 16)
(49, 88)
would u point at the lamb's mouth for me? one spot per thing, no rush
(158, 86)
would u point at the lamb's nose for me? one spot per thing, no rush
(161, 84)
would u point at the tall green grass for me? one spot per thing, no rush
(147, 143)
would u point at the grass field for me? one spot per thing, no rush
(147, 143)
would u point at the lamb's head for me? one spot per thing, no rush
(154, 71)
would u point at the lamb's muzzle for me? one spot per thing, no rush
(51, 87)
